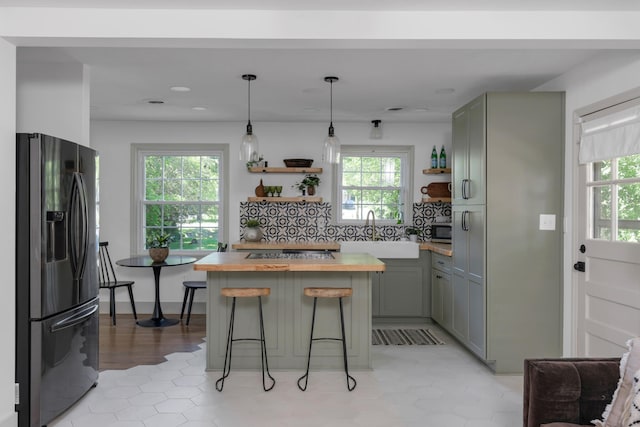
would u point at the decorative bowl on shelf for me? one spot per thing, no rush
(298, 163)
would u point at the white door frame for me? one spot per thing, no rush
(580, 345)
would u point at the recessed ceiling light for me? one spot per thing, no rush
(394, 108)
(180, 88)
(155, 101)
(445, 90)
(421, 110)
(199, 108)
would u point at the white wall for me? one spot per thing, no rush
(53, 98)
(277, 141)
(610, 74)
(7, 246)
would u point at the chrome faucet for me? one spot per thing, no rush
(373, 221)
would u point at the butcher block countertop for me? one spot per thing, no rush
(237, 261)
(439, 248)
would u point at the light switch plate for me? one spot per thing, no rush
(547, 222)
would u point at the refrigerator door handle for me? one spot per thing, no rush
(74, 319)
(79, 226)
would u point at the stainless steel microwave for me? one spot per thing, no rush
(441, 233)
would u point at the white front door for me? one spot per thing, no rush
(608, 242)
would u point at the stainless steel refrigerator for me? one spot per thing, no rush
(56, 276)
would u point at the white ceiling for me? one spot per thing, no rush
(290, 85)
(337, 4)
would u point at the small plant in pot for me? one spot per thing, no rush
(308, 184)
(252, 231)
(158, 245)
(412, 233)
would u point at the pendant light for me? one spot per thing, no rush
(249, 146)
(331, 150)
(376, 130)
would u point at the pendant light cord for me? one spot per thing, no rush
(331, 104)
(248, 78)
(330, 80)
(249, 102)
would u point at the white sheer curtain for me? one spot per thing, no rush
(610, 136)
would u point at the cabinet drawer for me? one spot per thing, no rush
(441, 262)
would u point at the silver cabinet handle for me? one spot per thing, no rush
(465, 218)
(466, 189)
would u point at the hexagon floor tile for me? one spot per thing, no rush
(409, 386)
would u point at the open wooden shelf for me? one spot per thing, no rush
(433, 171)
(305, 199)
(258, 169)
(437, 200)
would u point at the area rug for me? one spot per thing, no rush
(404, 337)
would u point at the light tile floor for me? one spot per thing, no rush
(433, 386)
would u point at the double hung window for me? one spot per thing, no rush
(373, 180)
(179, 190)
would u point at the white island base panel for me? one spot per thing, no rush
(287, 320)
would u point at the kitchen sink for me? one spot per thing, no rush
(382, 248)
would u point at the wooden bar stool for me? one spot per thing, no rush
(245, 293)
(328, 293)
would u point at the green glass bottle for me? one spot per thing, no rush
(434, 157)
(443, 158)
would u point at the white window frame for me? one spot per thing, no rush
(406, 154)
(139, 152)
(613, 183)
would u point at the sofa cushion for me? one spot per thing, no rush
(629, 365)
(567, 390)
(570, 392)
(565, 425)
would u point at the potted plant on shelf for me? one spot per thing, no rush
(252, 231)
(412, 233)
(308, 184)
(158, 245)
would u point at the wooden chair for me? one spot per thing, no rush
(109, 281)
(190, 287)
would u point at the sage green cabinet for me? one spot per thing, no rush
(441, 290)
(468, 270)
(404, 289)
(507, 170)
(468, 171)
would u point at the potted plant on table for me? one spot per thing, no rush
(158, 245)
(252, 231)
(412, 233)
(308, 184)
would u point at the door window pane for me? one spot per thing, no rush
(615, 198)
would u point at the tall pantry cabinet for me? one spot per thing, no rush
(506, 272)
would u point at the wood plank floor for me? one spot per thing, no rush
(127, 344)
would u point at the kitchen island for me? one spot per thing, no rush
(287, 312)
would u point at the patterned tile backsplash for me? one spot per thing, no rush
(283, 222)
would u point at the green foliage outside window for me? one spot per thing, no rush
(371, 183)
(182, 199)
(619, 177)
